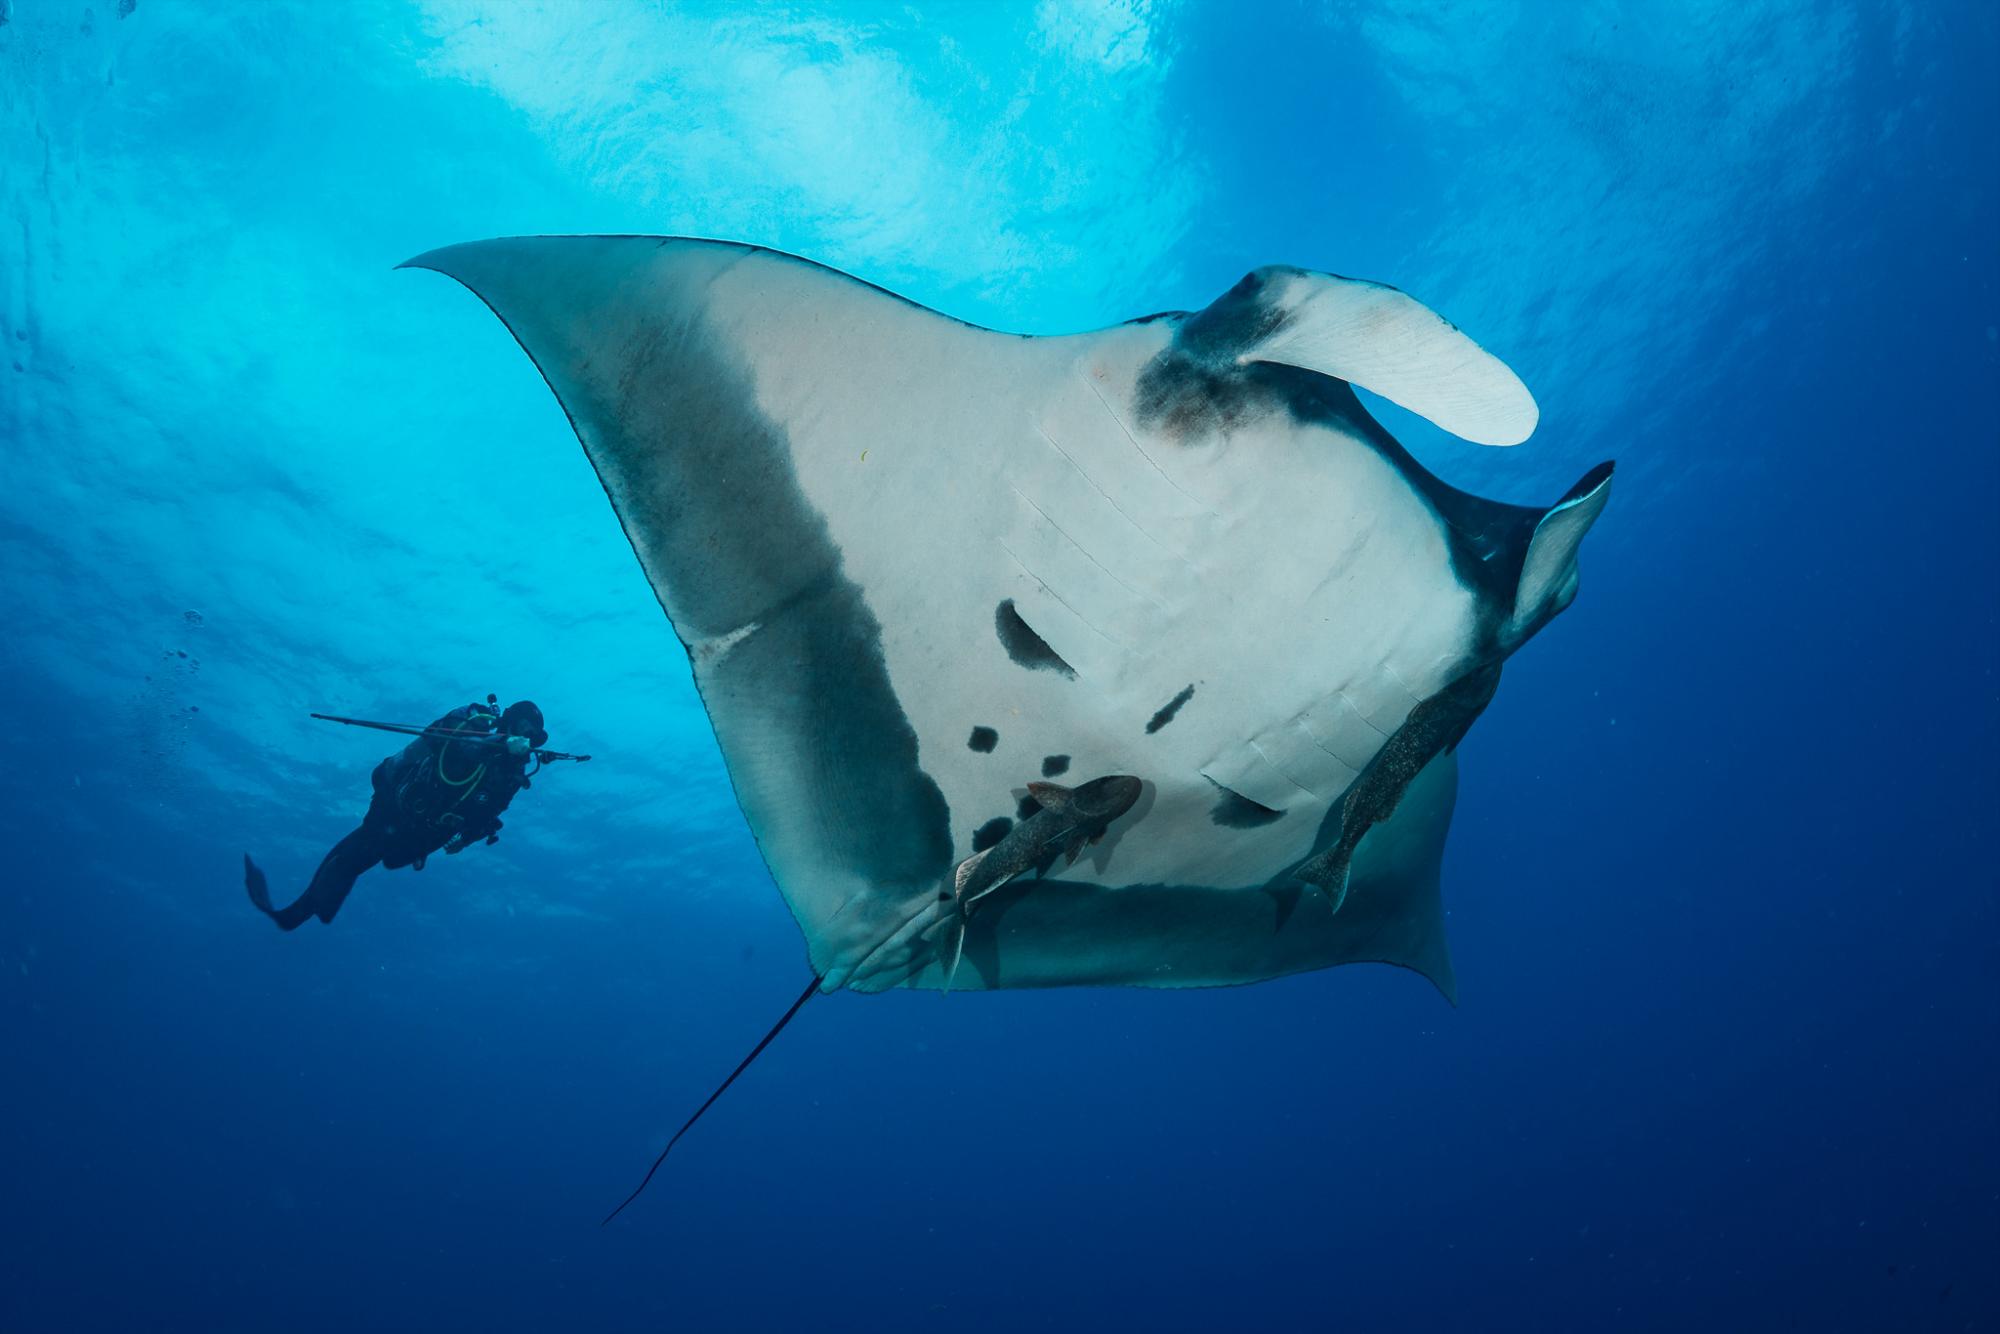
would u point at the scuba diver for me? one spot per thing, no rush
(446, 789)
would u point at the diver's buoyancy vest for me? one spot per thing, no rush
(435, 779)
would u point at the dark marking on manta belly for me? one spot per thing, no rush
(1233, 810)
(1028, 808)
(1194, 387)
(1166, 714)
(983, 740)
(1052, 765)
(1024, 646)
(753, 548)
(1186, 400)
(990, 833)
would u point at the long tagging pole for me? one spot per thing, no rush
(447, 733)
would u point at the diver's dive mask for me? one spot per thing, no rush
(522, 722)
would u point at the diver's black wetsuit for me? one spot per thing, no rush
(436, 794)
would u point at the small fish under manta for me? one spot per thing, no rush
(1069, 819)
(1183, 556)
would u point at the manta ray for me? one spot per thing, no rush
(1131, 657)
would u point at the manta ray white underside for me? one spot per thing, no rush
(918, 564)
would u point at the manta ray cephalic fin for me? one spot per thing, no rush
(1384, 340)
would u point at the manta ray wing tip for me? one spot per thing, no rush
(440, 259)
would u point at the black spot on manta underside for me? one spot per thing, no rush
(1027, 808)
(1166, 714)
(991, 833)
(1023, 645)
(983, 740)
(1052, 765)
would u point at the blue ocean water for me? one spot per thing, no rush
(1721, 881)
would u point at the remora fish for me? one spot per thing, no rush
(1435, 726)
(1069, 819)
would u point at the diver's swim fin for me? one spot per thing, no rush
(260, 888)
(287, 918)
(330, 883)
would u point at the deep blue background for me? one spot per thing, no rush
(1722, 891)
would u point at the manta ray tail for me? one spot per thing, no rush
(755, 1052)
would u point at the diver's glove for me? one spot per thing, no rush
(517, 746)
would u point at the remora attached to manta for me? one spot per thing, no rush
(917, 564)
